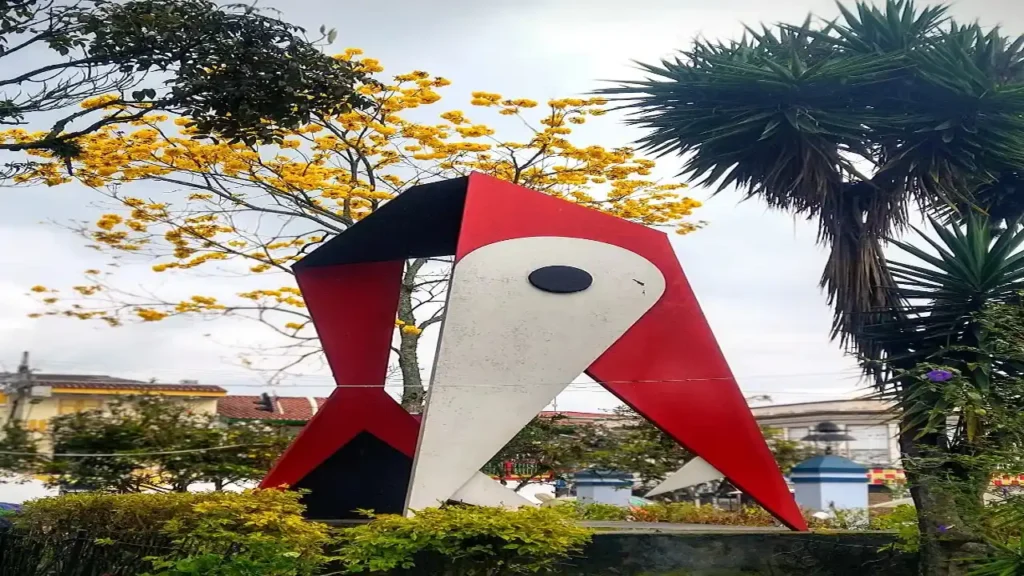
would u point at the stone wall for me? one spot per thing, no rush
(774, 554)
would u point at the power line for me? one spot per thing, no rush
(88, 379)
(128, 454)
(392, 385)
(230, 372)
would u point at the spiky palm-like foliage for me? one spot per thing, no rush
(951, 350)
(957, 305)
(851, 123)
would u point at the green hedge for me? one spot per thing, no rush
(216, 533)
(464, 541)
(104, 514)
(263, 532)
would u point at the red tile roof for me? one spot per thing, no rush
(285, 408)
(101, 382)
(299, 409)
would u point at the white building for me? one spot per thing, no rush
(872, 424)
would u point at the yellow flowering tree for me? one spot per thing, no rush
(263, 207)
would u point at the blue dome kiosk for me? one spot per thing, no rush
(823, 482)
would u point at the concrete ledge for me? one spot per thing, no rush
(609, 527)
(704, 553)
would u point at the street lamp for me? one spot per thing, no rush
(828, 433)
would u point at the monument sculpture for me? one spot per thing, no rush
(542, 290)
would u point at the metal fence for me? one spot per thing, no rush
(33, 554)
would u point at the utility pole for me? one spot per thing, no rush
(20, 388)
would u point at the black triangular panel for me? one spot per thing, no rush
(422, 222)
(366, 473)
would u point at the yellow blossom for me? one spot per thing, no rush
(262, 208)
(150, 315)
(99, 101)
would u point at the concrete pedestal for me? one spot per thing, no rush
(604, 487)
(830, 481)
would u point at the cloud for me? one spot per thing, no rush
(755, 272)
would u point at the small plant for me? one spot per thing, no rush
(689, 513)
(1005, 559)
(596, 511)
(1006, 542)
(679, 513)
(902, 519)
(464, 541)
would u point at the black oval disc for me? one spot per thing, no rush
(561, 279)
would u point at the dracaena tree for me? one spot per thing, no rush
(857, 124)
(952, 361)
(851, 123)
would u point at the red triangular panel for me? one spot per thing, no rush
(353, 307)
(668, 365)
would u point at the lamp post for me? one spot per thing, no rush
(827, 433)
(823, 483)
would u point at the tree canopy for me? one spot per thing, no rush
(857, 123)
(851, 123)
(144, 443)
(555, 446)
(256, 209)
(234, 71)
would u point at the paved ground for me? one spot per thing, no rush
(655, 527)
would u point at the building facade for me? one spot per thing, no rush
(871, 423)
(51, 395)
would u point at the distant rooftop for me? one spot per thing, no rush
(824, 407)
(101, 383)
(292, 408)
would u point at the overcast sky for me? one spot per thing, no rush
(755, 272)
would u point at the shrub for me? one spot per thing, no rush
(595, 511)
(105, 514)
(263, 530)
(902, 519)
(1005, 559)
(464, 540)
(689, 513)
(1005, 527)
(214, 533)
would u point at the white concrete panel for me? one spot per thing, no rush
(694, 472)
(482, 490)
(507, 348)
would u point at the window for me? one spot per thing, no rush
(870, 445)
(36, 425)
(796, 433)
(68, 406)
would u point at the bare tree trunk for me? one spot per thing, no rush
(948, 503)
(413, 392)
